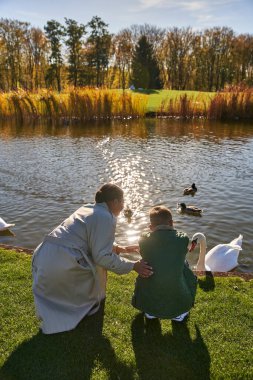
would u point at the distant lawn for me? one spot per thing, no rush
(157, 96)
(216, 342)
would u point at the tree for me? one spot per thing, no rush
(74, 34)
(98, 49)
(177, 48)
(242, 58)
(145, 70)
(216, 58)
(153, 34)
(55, 33)
(123, 52)
(36, 49)
(13, 36)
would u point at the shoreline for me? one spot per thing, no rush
(80, 104)
(72, 120)
(244, 276)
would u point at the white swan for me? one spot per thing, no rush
(5, 226)
(221, 258)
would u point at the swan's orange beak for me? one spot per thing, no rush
(193, 245)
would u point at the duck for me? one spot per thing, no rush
(190, 190)
(128, 213)
(221, 258)
(191, 210)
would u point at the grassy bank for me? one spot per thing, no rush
(228, 105)
(158, 98)
(119, 344)
(73, 104)
(85, 104)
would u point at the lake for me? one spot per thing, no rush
(47, 172)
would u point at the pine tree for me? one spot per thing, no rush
(145, 69)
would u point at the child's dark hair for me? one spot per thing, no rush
(160, 215)
(108, 192)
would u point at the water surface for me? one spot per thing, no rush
(46, 172)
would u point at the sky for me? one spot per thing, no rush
(119, 14)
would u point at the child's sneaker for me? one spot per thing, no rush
(180, 318)
(148, 316)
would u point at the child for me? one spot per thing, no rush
(170, 292)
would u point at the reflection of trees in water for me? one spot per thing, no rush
(201, 129)
(130, 128)
(174, 355)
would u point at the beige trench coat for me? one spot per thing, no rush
(69, 268)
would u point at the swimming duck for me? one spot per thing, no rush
(190, 190)
(128, 213)
(192, 210)
(221, 258)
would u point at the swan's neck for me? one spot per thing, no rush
(202, 254)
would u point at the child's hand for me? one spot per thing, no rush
(132, 248)
(128, 249)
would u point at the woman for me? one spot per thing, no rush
(69, 266)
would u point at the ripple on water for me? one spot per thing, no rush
(46, 173)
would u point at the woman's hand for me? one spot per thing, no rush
(143, 269)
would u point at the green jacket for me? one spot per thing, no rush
(171, 290)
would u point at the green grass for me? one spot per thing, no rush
(215, 343)
(156, 97)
